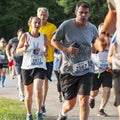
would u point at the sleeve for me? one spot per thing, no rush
(54, 28)
(60, 32)
(113, 39)
(10, 43)
(111, 4)
(95, 34)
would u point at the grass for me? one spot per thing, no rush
(12, 109)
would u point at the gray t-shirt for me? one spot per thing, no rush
(13, 44)
(68, 33)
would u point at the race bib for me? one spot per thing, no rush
(103, 65)
(36, 60)
(2, 57)
(80, 67)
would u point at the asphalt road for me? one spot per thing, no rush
(53, 106)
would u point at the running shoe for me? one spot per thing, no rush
(43, 110)
(22, 98)
(101, 113)
(39, 116)
(61, 117)
(29, 117)
(92, 103)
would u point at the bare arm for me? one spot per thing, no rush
(22, 45)
(108, 28)
(46, 43)
(100, 44)
(110, 53)
(110, 22)
(70, 50)
(8, 52)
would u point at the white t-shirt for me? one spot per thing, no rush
(100, 61)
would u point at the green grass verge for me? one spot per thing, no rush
(12, 109)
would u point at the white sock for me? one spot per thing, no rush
(29, 114)
(101, 107)
(63, 113)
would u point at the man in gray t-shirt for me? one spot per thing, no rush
(12, 44)
(74, 38)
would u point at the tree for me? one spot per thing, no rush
(15, 14)
(98, 9)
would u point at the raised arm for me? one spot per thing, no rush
(23, 44)
(100, 44)
(109, 25)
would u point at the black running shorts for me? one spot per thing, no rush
(104, 79)
(28, 76)
(75, 85)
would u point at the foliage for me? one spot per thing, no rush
(69, 5)
(15, 13)
(98, 9)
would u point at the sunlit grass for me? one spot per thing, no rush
(12, 109)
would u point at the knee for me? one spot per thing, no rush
(94, 93)
(28, 97)
(84, 101)
(106, 90)
(38, 93)
(106, 93)
(69, 104)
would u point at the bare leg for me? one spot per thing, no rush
(94, 93)
(20, 86)
(84, 107)
(28, 97)
(38, 93)
(118, 107)
(3, 76)
(105, 97)
(68, 105)
(44, 91)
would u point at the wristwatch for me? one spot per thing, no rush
(106, 33)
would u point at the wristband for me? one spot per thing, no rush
(106, 33)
